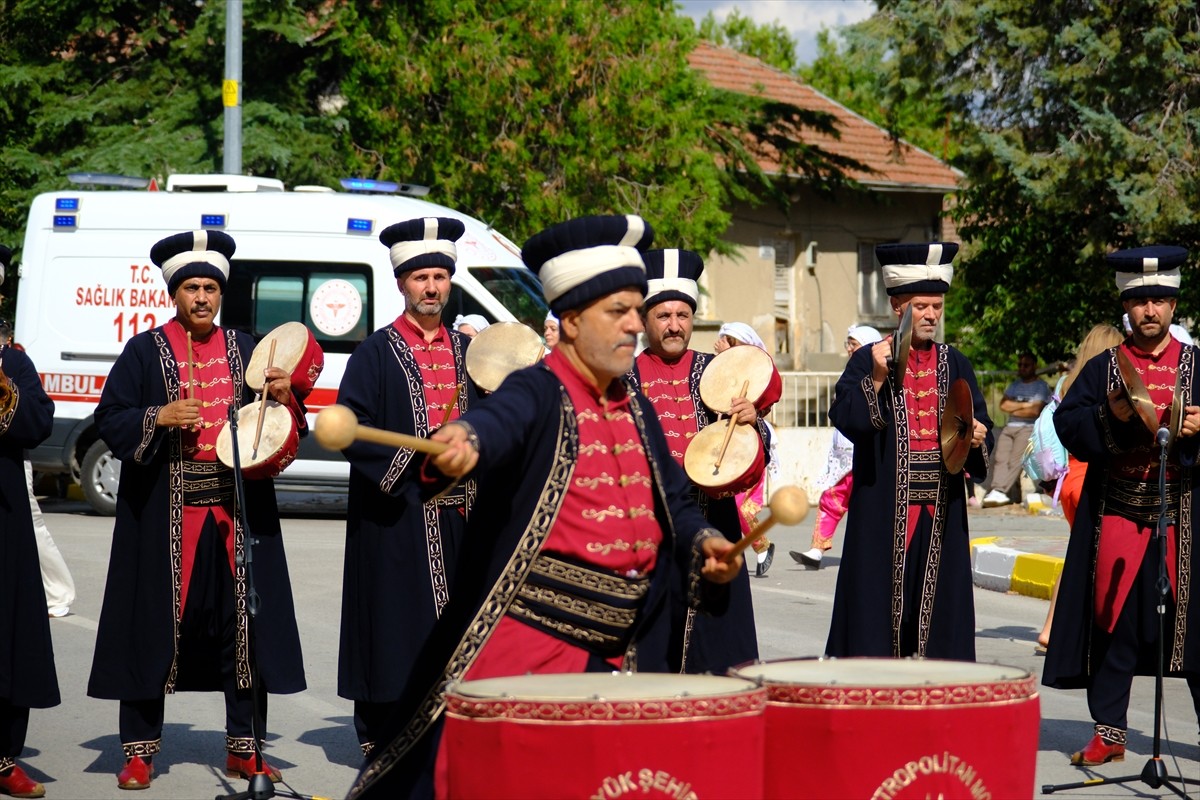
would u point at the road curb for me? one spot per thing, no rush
(1003, 569)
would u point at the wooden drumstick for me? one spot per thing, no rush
(789, 505)
(450, 408)
(262, 407)
(337, 428)
(729, 431)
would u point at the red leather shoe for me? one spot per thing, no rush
(1098, 751)
(238, 767)
(18, 784)
(136, 774)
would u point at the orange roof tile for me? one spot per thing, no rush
(896, 164)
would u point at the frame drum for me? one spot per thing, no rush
(741, 467)
(276, 448)
(722, 379)
(296, 353)
(898, 728)
(603, 735)
(499, 350)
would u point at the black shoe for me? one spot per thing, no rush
(810, 559)
(760, 569)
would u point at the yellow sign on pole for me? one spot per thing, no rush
(229, 93)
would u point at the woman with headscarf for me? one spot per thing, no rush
(837, 479)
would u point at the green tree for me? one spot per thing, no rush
(526, 114)
(521, 113)
(769, 42)
(1078, 125)
(855, 66)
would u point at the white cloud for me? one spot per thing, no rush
(803, 19)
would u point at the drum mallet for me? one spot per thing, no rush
(789, 505)
(337, 427)
(262, 409)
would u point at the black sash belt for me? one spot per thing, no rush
(1138, 500)
(925, 471)
(593, 609)
(207, 483)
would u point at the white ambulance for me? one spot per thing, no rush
(310, 255)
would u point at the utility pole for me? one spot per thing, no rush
(231, 88)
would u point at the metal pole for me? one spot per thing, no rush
(231, 89)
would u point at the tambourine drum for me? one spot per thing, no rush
(741, 467)
(296, 353)
(501, 349)
(724, 376)
(603, 735)
(899, 728)
(276, 447)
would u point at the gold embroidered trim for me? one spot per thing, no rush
(239, 744)
(1111, 734)
(143, 749)
(586, 579)
(751, 701)
(972, 694)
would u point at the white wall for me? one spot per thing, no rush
(802, 453)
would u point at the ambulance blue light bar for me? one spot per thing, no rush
(359, 225)
(369, 185)
(66, 204)
(213, 221)
(384, 187)
(65, 222)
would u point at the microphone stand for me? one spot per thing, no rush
(1154, 773)
(261, 787)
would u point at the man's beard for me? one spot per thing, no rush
(428, 308)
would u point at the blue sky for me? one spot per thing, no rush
(802, 18)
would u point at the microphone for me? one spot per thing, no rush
(1162, 437)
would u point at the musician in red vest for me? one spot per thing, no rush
(668, 373)
(583, 529)
(1106, 628)
(175, 615)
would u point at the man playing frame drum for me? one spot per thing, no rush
(904, 587)
(669, 374)
(174, 616)
(580, 508)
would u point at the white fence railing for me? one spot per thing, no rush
(807, 396)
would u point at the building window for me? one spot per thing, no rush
(784, 296)
(872, 297)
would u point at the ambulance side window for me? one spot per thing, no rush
(334, 302)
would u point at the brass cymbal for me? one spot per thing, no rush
(501, 349)
(901, 344)
(1136, 392)
(957, 429)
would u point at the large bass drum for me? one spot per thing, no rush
(603, 735)
(898, 728)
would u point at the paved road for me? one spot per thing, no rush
(74, 748)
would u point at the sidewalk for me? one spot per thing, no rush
(1017, 550)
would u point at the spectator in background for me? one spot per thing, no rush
(470, 324)
(1098, 339)
(1023, 401)
(550, 330)
(56, 578)
(837, 480)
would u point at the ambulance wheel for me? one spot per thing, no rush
(98, 476)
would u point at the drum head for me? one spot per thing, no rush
(291, 341)
(501, 349)
(878, 672)
(700, 458)
(723, 377)
(601, 686)
(278, 427)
